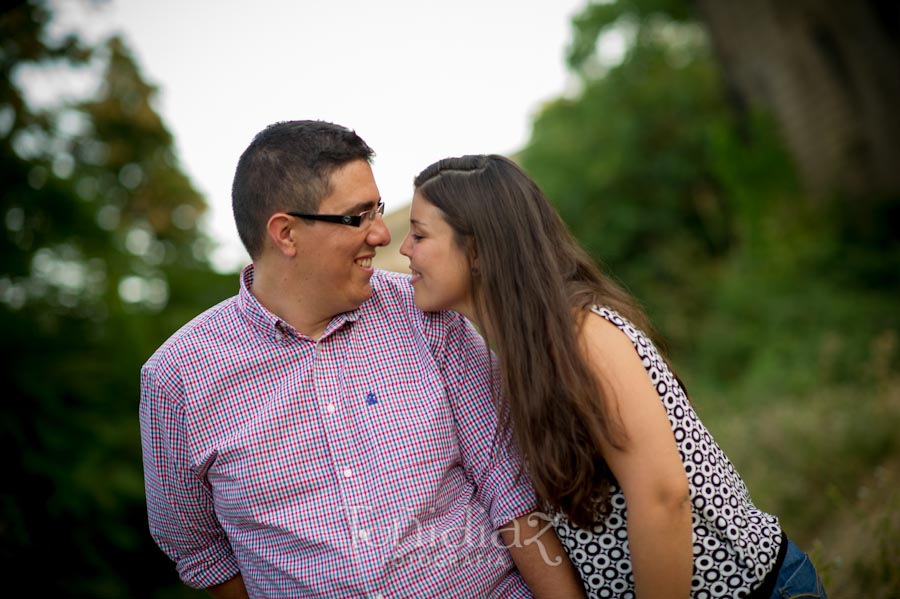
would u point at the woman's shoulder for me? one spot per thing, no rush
(599, 321)
(641, 341)
(613, 344)
(609, 340)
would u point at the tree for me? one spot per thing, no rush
(648, 164)
(697, 207)
(823, 69)
(827, 71)
(101, 260)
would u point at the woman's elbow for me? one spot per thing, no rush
(673, 496)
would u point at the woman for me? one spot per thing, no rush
(600, 418)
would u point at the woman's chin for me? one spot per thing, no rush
(426, 305)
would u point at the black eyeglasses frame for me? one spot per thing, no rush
(344, 219)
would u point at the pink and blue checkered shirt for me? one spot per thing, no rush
(363, 464)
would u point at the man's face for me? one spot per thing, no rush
(336, 260)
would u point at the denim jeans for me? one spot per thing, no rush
(797, 578)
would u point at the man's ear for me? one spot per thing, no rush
(282, 234)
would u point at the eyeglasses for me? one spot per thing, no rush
(367, 216)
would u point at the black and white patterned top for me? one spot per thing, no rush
(735, 544)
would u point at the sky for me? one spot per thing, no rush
(419, 80)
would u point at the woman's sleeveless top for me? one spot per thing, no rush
(735, 544)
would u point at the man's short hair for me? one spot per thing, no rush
(288, 167)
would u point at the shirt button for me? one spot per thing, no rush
(330, 408)
(363, 534)
(378, 596)
(348, 473)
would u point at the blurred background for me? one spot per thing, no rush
(736, 166)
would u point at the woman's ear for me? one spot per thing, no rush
(472, 251)
(281, 233)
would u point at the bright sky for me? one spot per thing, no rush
(419, 80)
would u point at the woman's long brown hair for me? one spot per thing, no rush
(532, 282)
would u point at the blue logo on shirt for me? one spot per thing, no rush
(371, 400)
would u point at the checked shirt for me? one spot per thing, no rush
(363, 464)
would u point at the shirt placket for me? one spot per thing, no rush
(338, 416)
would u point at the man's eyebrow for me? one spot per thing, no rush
(361, 207)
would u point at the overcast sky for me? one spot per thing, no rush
(419, 80)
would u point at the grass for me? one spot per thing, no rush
(828, 464)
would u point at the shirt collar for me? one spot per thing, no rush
(271, 326)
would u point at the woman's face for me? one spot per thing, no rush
(440, 268)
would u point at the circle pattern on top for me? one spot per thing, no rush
(734, 543)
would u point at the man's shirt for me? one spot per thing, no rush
(364, 464)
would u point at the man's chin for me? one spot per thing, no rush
(361, 297)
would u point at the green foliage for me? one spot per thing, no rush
(828, 466)
(101, 261)
(597, 18)
(652, 171)
(695, 207)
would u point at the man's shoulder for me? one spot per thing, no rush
(207, 328)
(392, 293)
(389, 286)
(393, 300)
(392, 297)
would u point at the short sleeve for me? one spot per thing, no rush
(491, 463)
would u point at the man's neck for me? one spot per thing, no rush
(282, 295)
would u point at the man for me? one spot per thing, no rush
(316, 435)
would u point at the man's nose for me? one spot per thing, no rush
(379, 234)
